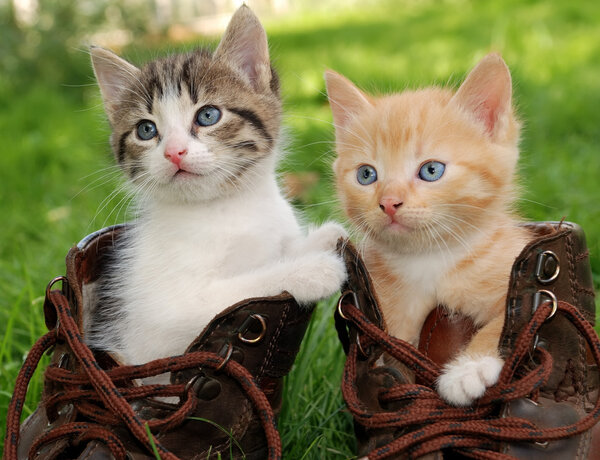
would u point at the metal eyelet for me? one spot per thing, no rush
(48, 290)
(204, 387)
(228, 354)
(536, 341)
(542, 444)
(57, 329)
(354, 302)
(537, 301)
(360, 348)
(66, 409)
(53, 282)
(246, 326)
(342, 298)
(63, 361)
(547, 267)
(191, 382)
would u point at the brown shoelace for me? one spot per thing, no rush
(427, 424)
(103, 396)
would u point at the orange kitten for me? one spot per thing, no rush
(427, 177)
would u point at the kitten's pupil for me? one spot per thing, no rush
(146, 130)
(208, 116)
(432, 171)
(366, 175)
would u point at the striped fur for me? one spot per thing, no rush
(213, 227)
(451, 241)
(176, 87)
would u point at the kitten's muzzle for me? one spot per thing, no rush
(175, 155)
(390, 205)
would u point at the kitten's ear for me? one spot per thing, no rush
(487, 94)
(114, 76)
(244, 45)
(345, 99)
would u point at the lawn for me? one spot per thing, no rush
(57, 178)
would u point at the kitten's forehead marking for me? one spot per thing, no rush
(396, 159)
(172, 75)
(175, 111)
(409, 131)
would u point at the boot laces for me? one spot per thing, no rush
(425, 423)
(104, 397)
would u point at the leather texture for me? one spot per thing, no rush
(262, 334)
(554, 266)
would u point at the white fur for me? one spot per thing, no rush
(422, 275)
(214, 228)
(187, 262)
(466, 378)
(205, 242)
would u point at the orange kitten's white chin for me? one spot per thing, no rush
(402, 232)
(397, 226)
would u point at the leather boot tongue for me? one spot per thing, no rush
(443, 335)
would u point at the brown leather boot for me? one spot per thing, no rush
(545, 404)
(228, 382)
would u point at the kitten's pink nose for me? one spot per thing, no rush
(175, 155)
(389, 205)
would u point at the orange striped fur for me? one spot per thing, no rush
(450, 241)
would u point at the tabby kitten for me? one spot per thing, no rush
(197, 134)
(427, 177)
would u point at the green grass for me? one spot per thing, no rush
(54, 157)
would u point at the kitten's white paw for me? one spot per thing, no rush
(317, 276)
(466, 378)
(325, 237)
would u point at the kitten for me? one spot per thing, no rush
(427, 177)
(197, 134)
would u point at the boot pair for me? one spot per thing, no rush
(228, 383)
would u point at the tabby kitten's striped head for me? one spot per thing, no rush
(195, 126)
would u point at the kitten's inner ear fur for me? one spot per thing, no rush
(345, 99)
(244, 45)
(114, 76)
(486, 93)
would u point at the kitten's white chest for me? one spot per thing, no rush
(176, 274)
(407, 301)
(200, 247)
(421, 271)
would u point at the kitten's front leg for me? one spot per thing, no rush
(323, 238)
(309, 278)
(466, 377)
(314, 276)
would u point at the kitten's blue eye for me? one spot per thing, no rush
(366, 175)
(432, 171)
(146, 130)
(208, 116)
